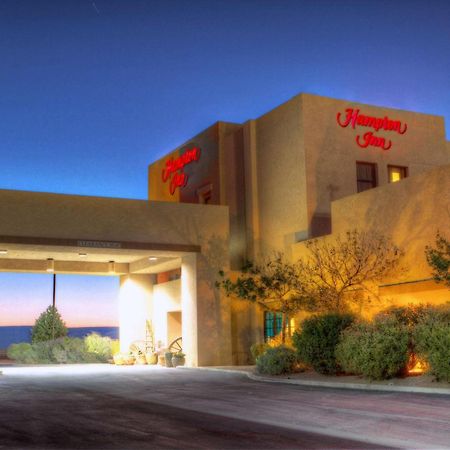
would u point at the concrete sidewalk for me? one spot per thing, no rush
(422, 384)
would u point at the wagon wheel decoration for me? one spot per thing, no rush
(176, 345)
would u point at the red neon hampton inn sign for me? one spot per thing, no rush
(353, 118)
(174, 169)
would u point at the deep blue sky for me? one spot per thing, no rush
(93, 91)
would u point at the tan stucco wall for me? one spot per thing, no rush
(409, 212)
(208, 170)
(332, 153)
(166, 298)
(135, 303)
(280, 177)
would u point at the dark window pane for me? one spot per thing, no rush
(365, 176)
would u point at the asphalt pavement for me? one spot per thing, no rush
(109, 407)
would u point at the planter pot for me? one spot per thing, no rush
(123, 360)
(118, 360)
(178, 361)
(140, 360)
(151, 358)
(168, 357)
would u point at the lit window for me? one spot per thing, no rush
(273, 323)
(366, 176)
(397, 173)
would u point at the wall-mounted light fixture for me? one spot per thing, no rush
(82, 255)
(50, 265)
(3, 252)
(111, 266)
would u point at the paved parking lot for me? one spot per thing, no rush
(150, 407)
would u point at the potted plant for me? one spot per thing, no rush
(123, 359)
(178, 359)
(151, 358)
(140, 359)
(168, 358)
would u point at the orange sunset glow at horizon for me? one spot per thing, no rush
(82, 301)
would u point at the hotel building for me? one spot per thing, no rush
(314, 167)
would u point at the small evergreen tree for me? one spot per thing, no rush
(48, 326)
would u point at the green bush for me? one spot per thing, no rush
(317, 339)
(276, 361)
(432, 341)
(258, 349)
(99, 345)
(409, 315)
(22, 352)
(63, 350)
(377, 350)
(48, 326)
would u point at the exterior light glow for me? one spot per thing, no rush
(3, 252)
(50, 265)
(152, 258)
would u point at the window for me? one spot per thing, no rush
(366, 176)
(204, 194)
(273, 322)
(397, 173)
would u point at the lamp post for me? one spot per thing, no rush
(54, 290)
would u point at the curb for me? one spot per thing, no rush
(329, 384)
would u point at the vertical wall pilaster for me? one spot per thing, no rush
(189, 322)
(135, 303)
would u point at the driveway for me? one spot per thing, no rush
(109, 407)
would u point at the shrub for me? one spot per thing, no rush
(59, 351)
(276, 361)
(377, 350)
(22, 352)
(317, 339)
(99, 345)
(432, 341)
(409, 315)
(48, 326)
(258, 349)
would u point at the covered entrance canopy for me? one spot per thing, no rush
(132, 239)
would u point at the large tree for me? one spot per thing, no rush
(438, 258)
(337, 271)
(274, 284)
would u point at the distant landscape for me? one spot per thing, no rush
(14, 334)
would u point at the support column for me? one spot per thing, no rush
(135, 303)
(189, 309)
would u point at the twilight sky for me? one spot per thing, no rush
(93, 91)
